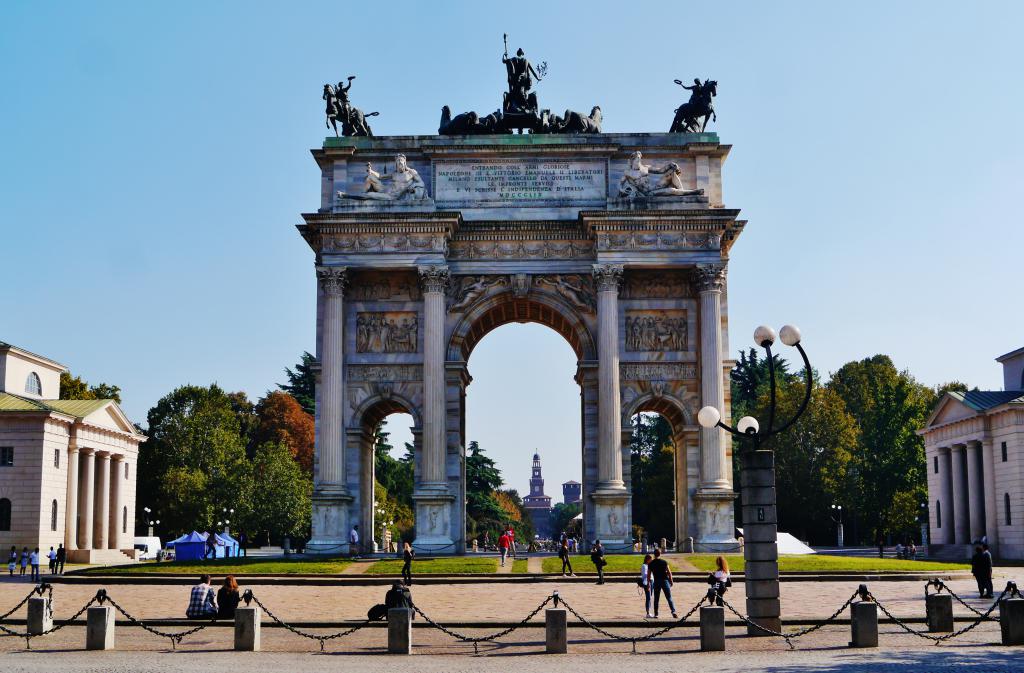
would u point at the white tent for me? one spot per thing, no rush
(789, 544)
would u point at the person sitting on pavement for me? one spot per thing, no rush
(227, 598)
(201, 601)
(398, 596)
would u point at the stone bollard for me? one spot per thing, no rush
(939, 611)
(39, 618)
(1011, 620)
(864, 624)
(556, 630)
(247, 629)
(400, 631)
(712, 629)
(99, 628)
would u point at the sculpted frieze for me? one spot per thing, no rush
(376, 373)
(382, 287)
(386, 332)
(661, 371)
(360, 243)
(522, 249)
(464, 290)
(655, 285)
(652, 240)
(650, 331)
(577, 288)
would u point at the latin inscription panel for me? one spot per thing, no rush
(520, 182)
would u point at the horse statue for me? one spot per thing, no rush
(689, 114)
(577, 122)
(353, 121)
(467, 123)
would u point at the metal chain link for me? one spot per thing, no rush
(788, 637)
(942, 586)
(483, 639)
(947, 636)
(312, 636)
(634, 639)
(175, 638)
(35, 590)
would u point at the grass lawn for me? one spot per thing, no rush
(519, 566)
(231, 566)
(437, 566)
(823, 563)
(617, 563)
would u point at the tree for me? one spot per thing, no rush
(394, 475)
(561, 516)
(302, 383)
(282, 501)
(245, 412)
(889, 406)
(515, 513)
(280, 419)
(75, 388)
(750, 377)
(483, 512)
(652, 457)
(194, 463)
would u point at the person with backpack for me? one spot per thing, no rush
(597, 557)
(563, 553)
(720, 580)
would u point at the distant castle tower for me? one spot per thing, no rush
(571, 492)
(538, 504)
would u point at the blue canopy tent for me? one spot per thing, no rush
(189, 547)
(227, 546)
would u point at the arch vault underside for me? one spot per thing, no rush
(405, 291)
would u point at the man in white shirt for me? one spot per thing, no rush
(353, 540)
(33, 560)
(52, 555)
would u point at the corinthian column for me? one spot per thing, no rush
(609, 406)
(710, 278)
(434, 279)
(331, 452)
(86, 500)
(961, 508)
(71, 509)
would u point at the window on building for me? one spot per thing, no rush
(935, 463)
(56, 458)
(33, 385)
(126, 470)
(6, 456)
(5, 514)
(124, 519)
(1006, 506)
(1002, 448)
(53, 515)
(938, 514)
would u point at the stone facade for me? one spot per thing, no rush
(68, 469)
(520, 228)
(974, 448)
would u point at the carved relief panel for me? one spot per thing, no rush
(387, 332)
(375, 286)
(651, 331)
(655, 285)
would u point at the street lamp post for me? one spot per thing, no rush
(924, 527)
(757, 489)
(837, 519)
(228, 512)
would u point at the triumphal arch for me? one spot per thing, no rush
(617, 241)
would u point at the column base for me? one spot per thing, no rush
(612, 517)
(433, 522)
(330, 523)
(716, 527)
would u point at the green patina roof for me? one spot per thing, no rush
(76, 408)
(982, 400)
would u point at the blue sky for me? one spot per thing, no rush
(155, 159)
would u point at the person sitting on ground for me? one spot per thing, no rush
(201, 602)
(227, 598)
(398, 596)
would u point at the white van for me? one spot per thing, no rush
(147, 548)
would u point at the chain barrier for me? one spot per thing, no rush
(39, 590)
(249, 596)
(100, 595)
(634, 639)
(476, 640)
(862, 592)
(941, 586)
(1011, 590)
(175, 638)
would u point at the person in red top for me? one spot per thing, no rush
(503, 543)
(512, 542)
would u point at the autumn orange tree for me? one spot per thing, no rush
(280, 419)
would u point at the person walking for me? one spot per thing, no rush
(201, 601)
(353, 541)
(243, 543)
(407, 556)
(597, 557)
(645, 583)
(661, 575)
(512, 542)
(503, 543)
(720, 580)
(62, 556)
(227, 598)
(24, 560)
(981, 568)
(33, 560)
(12, 561)
(563, 553)
(52, 555)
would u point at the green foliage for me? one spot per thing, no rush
(75, 388)
(393, 491)
(750, 377)
(617, 563)
(484, 514)
(235, 566)
(652, 456)
(561, 516)
(437, 566)
(823, 562)
(283, 504)
(302, 383)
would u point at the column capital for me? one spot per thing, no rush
(958, 448)
(333, 279)
(608, 277)
(710, 277)
(434, 277)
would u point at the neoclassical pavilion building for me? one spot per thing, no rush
(974, 445)
(424, 244)
(67, 467)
